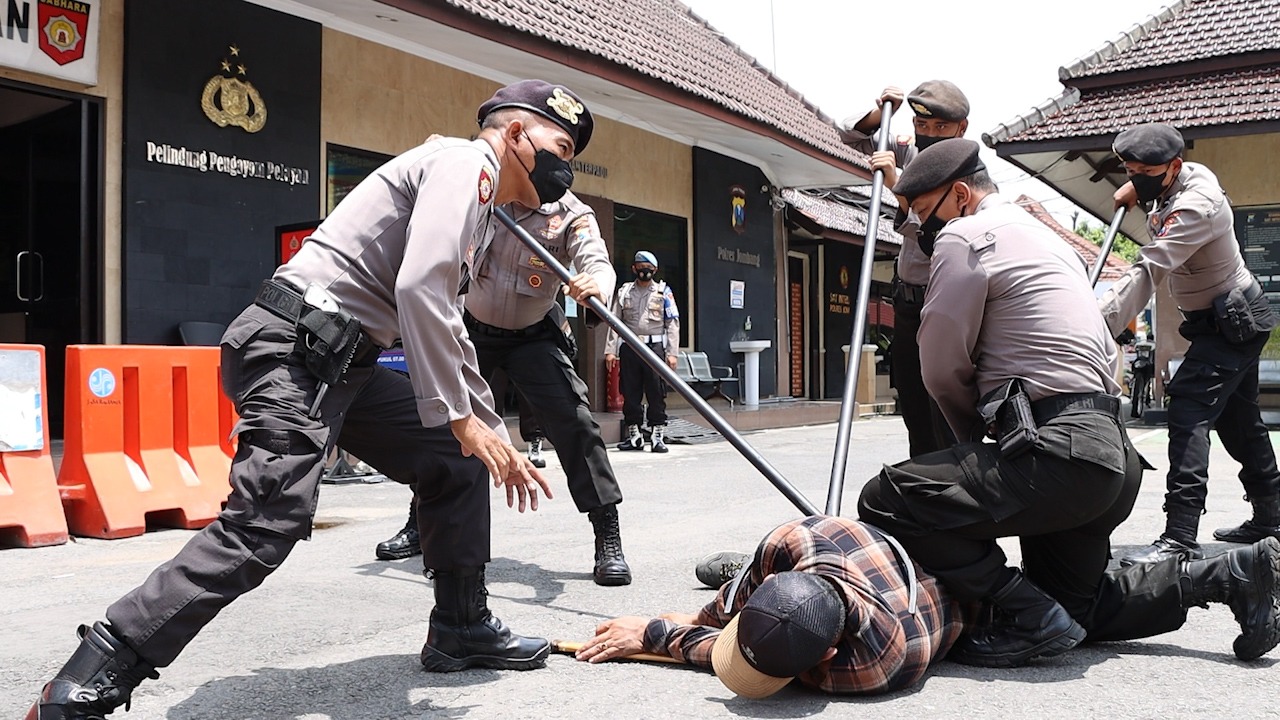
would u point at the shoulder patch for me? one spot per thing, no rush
(904, 140)
(484, 186)
(1168, 223)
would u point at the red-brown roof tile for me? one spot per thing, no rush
(831, 209)
(1116, 265)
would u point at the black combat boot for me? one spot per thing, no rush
(99, 677)
(403, 544)
(1248, 581)
(611, 565)
(1264, 523)
(1023, 623)
(632, 439)
(1178, 541)
(464, 633)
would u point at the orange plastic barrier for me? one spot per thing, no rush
(30, 511)
(144, 439)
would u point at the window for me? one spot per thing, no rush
(346, 168)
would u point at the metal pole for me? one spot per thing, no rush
(660, 366)
(848, 402)
(1096, 271)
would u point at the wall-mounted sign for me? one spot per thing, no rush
(58, 38)
(738, 255)
(233, 165)
(586, 168)
(737, 293)
(289, 239)
(739, 216)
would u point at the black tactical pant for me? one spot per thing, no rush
(927, 428)
(638, 382)
(536, 364)
(275, 479)
(1216, 388)
(1062, 500)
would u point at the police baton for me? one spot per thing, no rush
(847, 402)
(1096, 271)
(660, 366)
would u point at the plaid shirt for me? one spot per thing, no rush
(884, 647)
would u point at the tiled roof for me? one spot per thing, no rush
(833, 209)
(665, 40)
(1116, 265)
(1207, 100)
(1187, 31)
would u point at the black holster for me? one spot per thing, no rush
(1242, 313)
(327, 342)
(1006, 411)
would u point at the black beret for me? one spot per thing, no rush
(1149, 144)
(938, 165)
(939, 99)
(554, 102)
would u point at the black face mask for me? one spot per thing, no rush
(931, 226)
(1148, 187)
(645, 275)
(551, 176)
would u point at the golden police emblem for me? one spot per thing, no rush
(921, 109)
(565, 106)
(228, 100)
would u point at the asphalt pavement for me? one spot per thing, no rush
(335, 634)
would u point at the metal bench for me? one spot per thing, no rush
(696, 369)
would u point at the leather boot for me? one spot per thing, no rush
(463, 633)
(1248, 581)
(1264, 523)
(99, 677)
(633, 439)
(611, 565)
(1178, 541)
(1023, 623)
(403, 544)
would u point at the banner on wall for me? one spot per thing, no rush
(289, 239)
(58, 38)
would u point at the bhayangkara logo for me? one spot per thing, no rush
(63, 26)
(102, 383)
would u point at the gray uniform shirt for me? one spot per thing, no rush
(913, 264)
(515, 289)
(647, 311)
(392, 254)
(1008, 298)
(1193, 243)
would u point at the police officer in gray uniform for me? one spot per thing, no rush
(1011, 345)
(1227, 319)
(300, 366)
(941, 112)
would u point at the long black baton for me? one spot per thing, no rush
(848, 403)
(660, 366)
(1096, 271)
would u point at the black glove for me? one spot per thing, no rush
(1125, 337)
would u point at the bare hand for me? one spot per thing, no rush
(1126, 196)
(610, 361)
(672, 360)
(886, 162)
(893, 95)
(480, 440)
(616, 638)
(583, 286)
(524, 481)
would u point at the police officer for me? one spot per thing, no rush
(941, 111)
(300, 365)
(1227, 319)
(648, 308)
(1010, 344)
(514, 319)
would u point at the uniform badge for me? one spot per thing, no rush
(904, 140)
(484, 188)
(535, 261)
(554, 223)
(565, 106)
(1169, 222)
(921, 109)
(535, 281)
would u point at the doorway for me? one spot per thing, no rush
(798, 301)
(50, 227)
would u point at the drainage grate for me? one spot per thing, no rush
(683, 432)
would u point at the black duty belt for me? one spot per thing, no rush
(907, 292)
(1046, 409)
(1251, 293)
(285, 302)
(494, 331)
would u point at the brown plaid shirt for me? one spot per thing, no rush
(884, 647)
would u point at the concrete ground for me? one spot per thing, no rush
(335, 634)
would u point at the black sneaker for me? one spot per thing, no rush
(719, 568)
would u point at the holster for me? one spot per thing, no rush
(556, 319)
(1006, 411)
(327, 342)
(1234, 317)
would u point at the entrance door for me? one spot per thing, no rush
(49, 228)
(798, 295)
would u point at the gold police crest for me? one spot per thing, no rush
(229, 100)
(565, 106)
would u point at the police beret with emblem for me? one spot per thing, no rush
(938, 165)
(939, 99)
(1149, 144)
(554, 102)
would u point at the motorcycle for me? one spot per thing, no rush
(1142, 371)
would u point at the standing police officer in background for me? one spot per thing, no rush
(1011, 345)
(1227, 319)
(648, 308)
(941, 112)
(300, 366)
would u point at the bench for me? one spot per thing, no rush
(697, 371)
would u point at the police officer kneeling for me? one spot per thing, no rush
(1012, 345)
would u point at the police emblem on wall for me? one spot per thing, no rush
(230, 100)
(63, 27)
(739, 194)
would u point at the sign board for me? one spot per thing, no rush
(289, 239)
(58, 38)
(21, 407)
(1258, 230)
